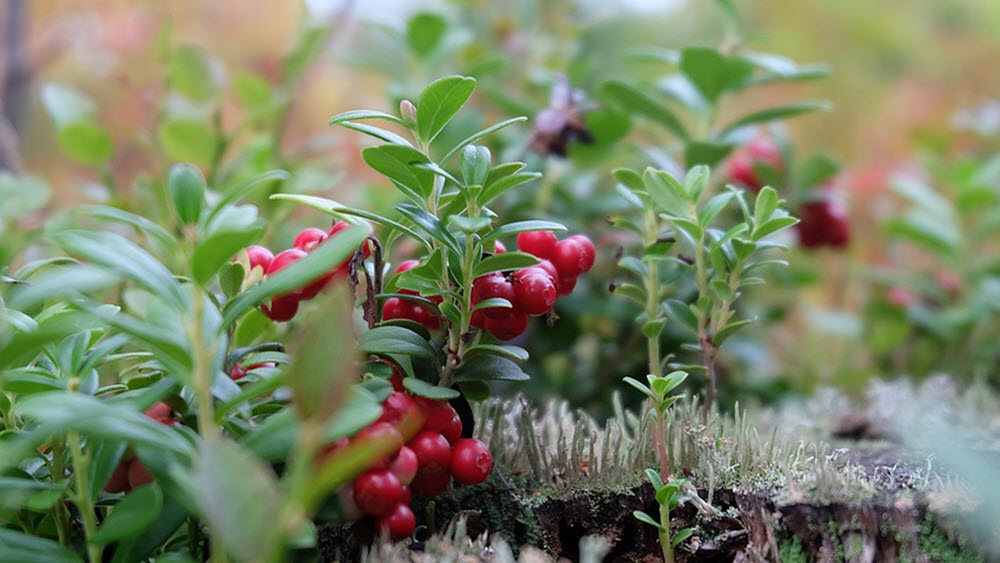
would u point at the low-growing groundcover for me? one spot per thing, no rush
(217, 363)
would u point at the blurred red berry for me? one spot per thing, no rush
(405, 465)
(118, 483)
(498, 247)
(281, 309)
(742, 161)
(138, 475)
(399, 522)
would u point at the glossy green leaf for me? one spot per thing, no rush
(498, 187)
(647, 519)
(476, 162)
(396, 162)
(631, 291)
(725, 332)
(666, 191)
(506, 261)
(395, 340)
(522, 227)
(439, 102)
(421, 388)
(376, 132)
(513, 352)
(486, 367)
(357, 114)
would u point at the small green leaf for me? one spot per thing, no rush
(187, 140)
(725, 332)
(522, 227)
(421, 388)
(396, 162)
(712, 207)
(376, 132)
(817, 169)
(86, 142)
(439, 102)
(513, 352)
(357, 114)
(653, 328)
(479, 135)
(231, 230)
(485, 367)
(772, 226)
(470, 225)
(395, 340)
(131, 516)
(712, 72)
(506, 261)
(475, 164)
(186, 185)
(638, 385)
(680, 536)
(679, 312)
(666, 191)
(633, 100)
(767, 202)
(424, 32)
(492, 302)
(646, 518)
(190, 73)
(707, 153)
(498, 187)
(776, 113)
(631, 291)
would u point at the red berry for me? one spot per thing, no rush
(741, 163)
(430, 482)
(118, 483)
(161, 412)
(407, 495)
(509, 327)
(823, 222)
(548, 268)
(407, 265)
(405, 466)
(432, 449)
(477, 320)
(589, 253)
(349, 509)
(566, 286)
(376, 492)
(570, 258)
(138, 475)
(471, 462)
(535, 291)
(396, 406)
(394, 308)
(284, 258)
(538, 243)
(259, 257)
(383, 433)
(490, 286)
(498, 247)
(439, 413)
(309, 239)
(281, 309)
(399, 522)
(337, 227)
(453, 431)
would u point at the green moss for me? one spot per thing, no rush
(939, 548)
(790, 551)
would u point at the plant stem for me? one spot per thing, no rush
(668, 550)
(653, 293)
(81, 497)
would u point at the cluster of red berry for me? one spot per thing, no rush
(823, 220)
(131, 473)
(284, 307)
(424, 466)
(531, 291)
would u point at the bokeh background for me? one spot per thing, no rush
(914, 89)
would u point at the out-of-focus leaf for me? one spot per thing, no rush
(424, 32)
(86, 142)
(131, 516)
(18, 547)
